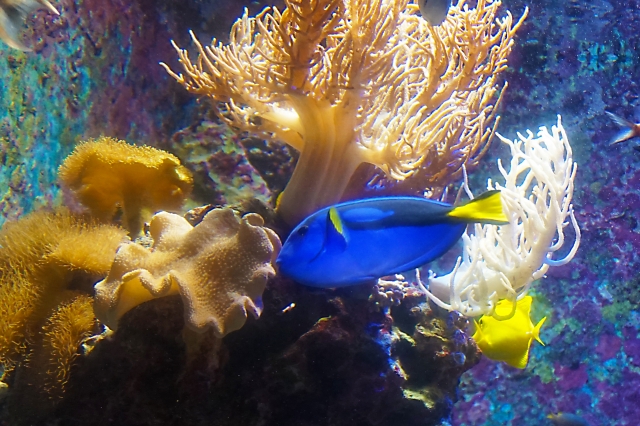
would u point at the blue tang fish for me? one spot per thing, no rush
(360, 241)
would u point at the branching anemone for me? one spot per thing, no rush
(501, 262)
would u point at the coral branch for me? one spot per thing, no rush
(501, 262)
(348, 82)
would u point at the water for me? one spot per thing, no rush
(299, 356)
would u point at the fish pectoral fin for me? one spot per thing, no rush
(486, 208)
(622, 122)
(336, 237)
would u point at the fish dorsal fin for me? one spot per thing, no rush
(336, 231)
(367, 216)
(486, 208)
(536, 331)
(524, 305)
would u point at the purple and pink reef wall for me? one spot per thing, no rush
(94, 70)
(577, 58)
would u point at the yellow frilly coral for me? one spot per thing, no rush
(220, 268)
(347, 82)
(107, 173)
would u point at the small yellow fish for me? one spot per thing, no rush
(12, 16)
(508, 340)
(567, 419)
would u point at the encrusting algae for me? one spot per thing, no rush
(349, 82)
(107, 174)
(219, 267)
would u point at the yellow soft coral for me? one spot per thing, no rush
(18, 299)
(41, 256)
(107, 173)
(63, 333)
(220, 268)
(347, 82)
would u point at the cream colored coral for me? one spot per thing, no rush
(501, 262)
(220, 268)
(347, 82)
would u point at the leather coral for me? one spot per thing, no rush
(348, 82)
(219, 267)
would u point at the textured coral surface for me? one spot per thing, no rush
(220, 267)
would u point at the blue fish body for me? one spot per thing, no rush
(359, 241)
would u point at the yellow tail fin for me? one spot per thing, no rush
(536, 330)
(487, 208)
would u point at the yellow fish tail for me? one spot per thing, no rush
(487, 208)
(536, 331)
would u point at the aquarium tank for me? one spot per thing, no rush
(319, 212)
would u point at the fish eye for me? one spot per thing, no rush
(302, 230)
